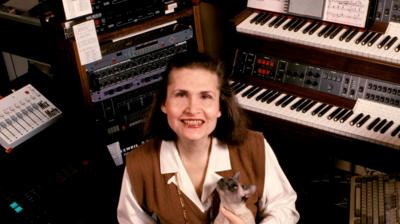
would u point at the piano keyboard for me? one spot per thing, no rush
(367, 121)
(354, 41)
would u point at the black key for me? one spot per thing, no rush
(303, 105)
(374, 39)
(309, 106)
(284, 104)
(295, 105)
(259, 19)
(335, 32)
(253, 20)
(301, 24)
(368, 38)
(309, 27)
(283, 99)
(315, 28)
(356, 119)
(373, 123)
(326, 109)
(361, 38)
(266, 97)
(259, 97)
(266, 19)
(391, 42)
(384, 41)
(397, 49)
(330, 31)
(334, 113)
(387, 126)
(345, 34)
(362, 122)
(395, 131)
(290, 23)
(247, 92)
(257, 90)
(318, 109)
(280, 22)
(340, 115)
(296, 24)
(241, 87)
(380, 125)
(352, 34)
(324, 30)
(346, 116)
(273, 22)
(273, 97)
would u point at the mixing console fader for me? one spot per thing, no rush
(23, 114)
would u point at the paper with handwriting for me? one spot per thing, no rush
(87, 42)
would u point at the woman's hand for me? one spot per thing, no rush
(232, 218)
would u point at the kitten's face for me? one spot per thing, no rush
(231, 191)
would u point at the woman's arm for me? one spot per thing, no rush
(129, 211)
(278, 201)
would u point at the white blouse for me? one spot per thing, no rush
(277, 204)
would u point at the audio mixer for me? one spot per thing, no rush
(23, 114)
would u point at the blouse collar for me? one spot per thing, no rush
(171, 163)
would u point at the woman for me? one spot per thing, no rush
(200, 135)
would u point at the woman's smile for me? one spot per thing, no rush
(192, 123)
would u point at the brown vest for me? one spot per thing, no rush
(154, 195)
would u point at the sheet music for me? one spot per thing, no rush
(270, 5)
(349, 12)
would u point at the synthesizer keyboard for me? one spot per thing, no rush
(338, 38)
(367, 121)
(23, 114)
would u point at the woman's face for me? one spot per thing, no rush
(192, 103)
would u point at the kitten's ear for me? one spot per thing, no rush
(236, 175)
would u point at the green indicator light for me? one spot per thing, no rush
(18, 209)
(14, 205)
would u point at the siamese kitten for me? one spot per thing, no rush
(233, 197)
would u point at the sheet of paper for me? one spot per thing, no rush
(349, 12)
(269, 5)
(76, 8)
(87, 42)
